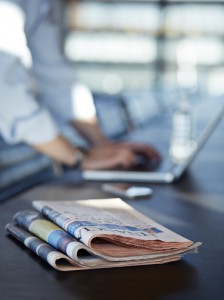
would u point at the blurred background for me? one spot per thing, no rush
(138, 58)
(131, 45)
(147, 51)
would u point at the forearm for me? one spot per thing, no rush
(59, 150)
(91, 131)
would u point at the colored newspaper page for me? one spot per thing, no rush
(58, 238)
(61, 262)
(113, 228)
(54, 258)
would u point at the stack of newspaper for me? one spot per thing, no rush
(92, 234)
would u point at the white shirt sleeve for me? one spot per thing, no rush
(21, 117)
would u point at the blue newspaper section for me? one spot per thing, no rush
(35, 244)
(73, 227)
(54, 235)
(59, 239)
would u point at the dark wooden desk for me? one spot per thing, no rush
(193, 207)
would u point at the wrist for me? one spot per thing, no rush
(75, 162)
(79, 155)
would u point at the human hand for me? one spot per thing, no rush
(120, 155)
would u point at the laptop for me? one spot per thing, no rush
(208, 113)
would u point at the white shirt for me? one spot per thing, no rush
(31, 56)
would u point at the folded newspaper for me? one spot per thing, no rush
(92, 234)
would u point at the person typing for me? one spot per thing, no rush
(39, 91)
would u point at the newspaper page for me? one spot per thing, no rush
(111, 227)
(35, 223)
(61, 262)
(56, 259)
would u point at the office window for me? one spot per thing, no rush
(147, 50)
(129, 45)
